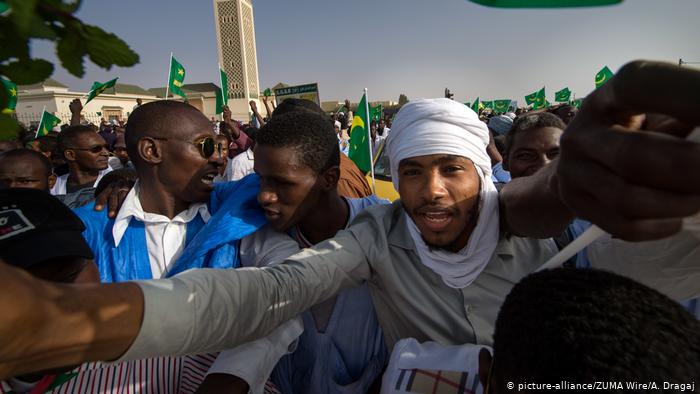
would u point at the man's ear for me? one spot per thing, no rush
(330, 178)
(485, 365)
(52, 181)
(69, 154)
(149, 150)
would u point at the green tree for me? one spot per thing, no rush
(53, 20)
(402, 100)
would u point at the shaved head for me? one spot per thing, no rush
(165, 119)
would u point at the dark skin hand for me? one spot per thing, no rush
(619, 169)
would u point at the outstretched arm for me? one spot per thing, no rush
(204, 310)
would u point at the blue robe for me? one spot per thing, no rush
(234, 211)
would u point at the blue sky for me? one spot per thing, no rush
(416, 47)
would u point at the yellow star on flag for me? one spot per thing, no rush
(13, 92)
(181, 71)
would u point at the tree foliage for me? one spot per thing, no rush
(402, 100)
(24, 20)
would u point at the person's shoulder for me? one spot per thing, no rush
(382, 215)
(87, 213)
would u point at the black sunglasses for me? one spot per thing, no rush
(94, 148)
(207, 146)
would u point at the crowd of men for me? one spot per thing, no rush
(172, 253)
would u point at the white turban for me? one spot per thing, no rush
(442, 126)
(431, 126)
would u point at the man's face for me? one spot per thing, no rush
(138, 101)
(89, 152)
(289, 190)
(337, 129)
(121, 153)
(440, 193)
(373, 130)
(183, 170)
(532, 150)
(25, 172)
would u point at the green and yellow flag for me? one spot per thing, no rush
(501, 105)
(267, 92)
(488, 104)
(97, 88)
(376, 113)
(576, 103)
(222, 93)
(11, 89)
(177, 77)
(477, 105)
(603, 76)
(359, 136)
(544, 3)
(47, 123)
(538, 99)
(562, 96)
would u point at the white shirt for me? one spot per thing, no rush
(61, 182)
(165, 238)
(240, 166)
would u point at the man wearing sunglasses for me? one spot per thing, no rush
(174, 219)
(86, 153)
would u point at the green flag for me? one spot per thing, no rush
(222, 93)
(468, 104)
(46, 124)
(538, 99)
(97, 88)
(267, 92)
(177, 78)
(488, 104)
(603, 76)
(341, 109)
(359, 135)
(544, 3)
(376, 113)
(477, 105)
(11, 90)
(562, 96)
(531, 98)
(501, 105)
(577, 103)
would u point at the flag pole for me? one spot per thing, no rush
(369, 141)
(224, 100)
(38, 129)
(167, 85)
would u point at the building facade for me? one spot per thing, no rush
(235, 37)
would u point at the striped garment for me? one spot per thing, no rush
(160, 375)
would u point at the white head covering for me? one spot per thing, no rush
(337, 124)
(442, 126)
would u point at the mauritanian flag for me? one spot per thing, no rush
(222, 93)
(488, 104)
(47, 123)
(477, 105)
(97, 88)
(603, 76)
(562, 96)
(537, 99)
(11, 89)
(544, 3)
(177, 77)
(359, 137)
(376, 113)
(501, 105)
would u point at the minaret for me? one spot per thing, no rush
(235, 37)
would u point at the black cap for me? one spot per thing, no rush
(35, 227)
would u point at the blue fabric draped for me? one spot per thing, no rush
(234, 214)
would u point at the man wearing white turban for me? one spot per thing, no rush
(438, 262)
